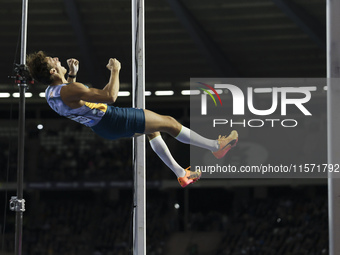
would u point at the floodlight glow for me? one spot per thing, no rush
(5, 95)
(17, 94)
(190, 92)
(123, 93)
(164, 93)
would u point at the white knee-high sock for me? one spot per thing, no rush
(161, 149)
(190, 137)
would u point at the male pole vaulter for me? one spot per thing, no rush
(88, 106)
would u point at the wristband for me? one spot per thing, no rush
(72, 76)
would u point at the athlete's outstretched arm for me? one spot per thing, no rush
(75, 92)
(73, 65)
(113, 86)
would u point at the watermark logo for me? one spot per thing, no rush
(207, 92)
(238, 99)
(270, 101)
(281, 126)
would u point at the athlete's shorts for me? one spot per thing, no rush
(120, 122)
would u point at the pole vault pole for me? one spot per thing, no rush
(333, 123)
(17, 203)
(138, 101)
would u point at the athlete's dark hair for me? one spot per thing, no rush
(39, 68)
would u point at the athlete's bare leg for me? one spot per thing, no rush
(159, 123)
(155, 122)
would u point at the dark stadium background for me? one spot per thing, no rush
(78, 187)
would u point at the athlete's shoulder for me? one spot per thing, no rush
(76, 84)
(73, 92)
(53, 91)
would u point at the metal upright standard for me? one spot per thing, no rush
(333, 106)
(138, 98)
(17, 203)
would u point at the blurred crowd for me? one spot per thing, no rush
(100, 223)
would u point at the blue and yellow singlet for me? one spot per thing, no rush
(109, 122)
(89, 114)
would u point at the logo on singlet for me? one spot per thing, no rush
(80, 119)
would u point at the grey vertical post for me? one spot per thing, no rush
(17, 203)
(333, 106)
(138, 100)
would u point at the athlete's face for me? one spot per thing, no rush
(56, 64)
